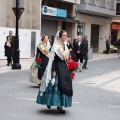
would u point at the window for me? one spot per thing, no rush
(81, 29)
(102, 3)
(118, 9)
(111, 4)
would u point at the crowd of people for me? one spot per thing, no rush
(53, 73)
(78, 50)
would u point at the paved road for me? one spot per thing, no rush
(91, 100)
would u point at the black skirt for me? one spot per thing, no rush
(64, 77)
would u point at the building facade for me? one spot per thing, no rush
(95, 21)
(29, 24)
(59, 15)
(115, 25)
(39, 17)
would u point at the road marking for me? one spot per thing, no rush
(75, 102)
(26, 99)
(113, 106)
(35, 100)
(22, 81)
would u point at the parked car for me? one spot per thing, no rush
(113, 49)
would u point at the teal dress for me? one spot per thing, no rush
(60, 94)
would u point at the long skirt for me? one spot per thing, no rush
(53, 97)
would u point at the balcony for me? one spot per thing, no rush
(98, 7)
(70, 1)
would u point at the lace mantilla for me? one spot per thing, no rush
(63, 54)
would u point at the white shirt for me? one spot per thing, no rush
(79, 43)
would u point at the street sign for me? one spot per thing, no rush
(20, 7)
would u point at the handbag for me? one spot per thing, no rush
(33, 76)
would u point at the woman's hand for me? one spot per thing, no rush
(53, 74)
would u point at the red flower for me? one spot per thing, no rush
(72, 65)
(39, 60)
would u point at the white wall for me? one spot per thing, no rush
(88, 32)
(104, 34)
(24, 41)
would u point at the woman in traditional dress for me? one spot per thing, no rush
(41, 60)
(43, 53)
(56, 85)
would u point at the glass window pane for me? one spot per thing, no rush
(81, 29)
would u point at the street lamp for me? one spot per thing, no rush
(18, 8)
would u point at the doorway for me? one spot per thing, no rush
(63, 26)
(114, 34)
(33, 43)
(94, 37)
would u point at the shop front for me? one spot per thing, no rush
(115, 32)
(54, 19)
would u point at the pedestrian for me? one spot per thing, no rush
(52, 40)
(79, 48)
(107, 46)
(118, 47)
(41, 60)
(73, 50)
(9, 48)
(56, 87)
(85, 55)
(69, 45)
(74, 41)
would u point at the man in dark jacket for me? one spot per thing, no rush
(107, 46)
(85, 42)
(79, 48)
(9, 48)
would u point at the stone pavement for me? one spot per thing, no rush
(26, 63)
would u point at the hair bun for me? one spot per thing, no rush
(61, 32)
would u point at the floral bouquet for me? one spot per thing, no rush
(39, 62)
(72, 67)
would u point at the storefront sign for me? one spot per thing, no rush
(61, 13)
(72, 1)
(54, 12)
(115, 26)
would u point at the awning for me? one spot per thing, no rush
(59, 19)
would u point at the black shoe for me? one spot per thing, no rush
(8, 64)
(48, 106)
(60, 109)
(85, 67)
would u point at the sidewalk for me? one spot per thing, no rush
(26, 63)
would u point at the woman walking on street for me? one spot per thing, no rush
(56, 85)
(41, 60)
